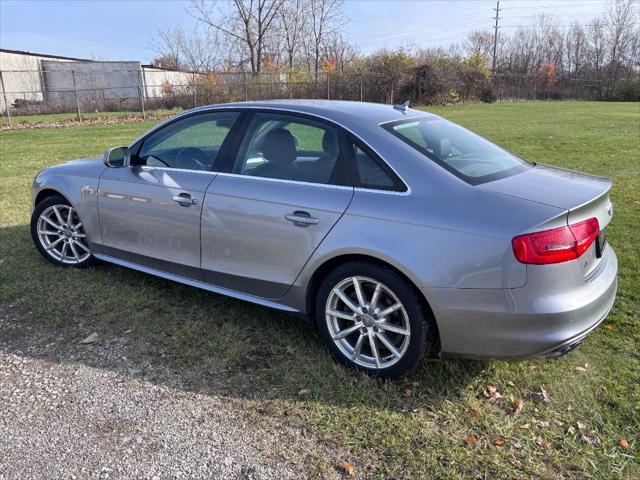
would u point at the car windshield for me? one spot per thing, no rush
(465, 154)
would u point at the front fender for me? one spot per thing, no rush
(80, 191)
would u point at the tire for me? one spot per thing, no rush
(403, 330)
(65, 245)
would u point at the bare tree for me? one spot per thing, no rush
(620, 30)
(168, 47)
(325, 18)
(248, 22)
(479, 43)
(294, 15)
(340, 51)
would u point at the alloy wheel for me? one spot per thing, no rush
(62, 236)
(367, 322)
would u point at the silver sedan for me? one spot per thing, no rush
(397, 233)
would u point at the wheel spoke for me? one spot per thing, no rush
(347, 301)
(69, 216)
(75, 228)
(347, 331)
(358, 289)
(387, 343)
(58, 216)
(374, 348)
(358, 347)
(375, 297)
(64, 251)
(342, 315)
(392, 328)
(81, 245)
(51, 222)
(53, 244)
(80, 235)
(389, 310)
(75, 252)
(48, 232)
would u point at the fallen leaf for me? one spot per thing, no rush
(473, 413)
(93, 338)
(525, 426)
(581, 369)
(303, 391)
(542, 396)
(542, 423)
(511, 384)
(408, 392)
(542, 443)
(588, 438)
(609, 327)
(471, 440)
(515, 463)
(348, 469)
(623, 443)
(581, 426)
(498, 442)
(571, 430)
(493, 394)
(518, 406)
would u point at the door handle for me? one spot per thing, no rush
(301, 219)
(185, 199)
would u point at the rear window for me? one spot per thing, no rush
(465, 154)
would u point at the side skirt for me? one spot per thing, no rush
(196, 283)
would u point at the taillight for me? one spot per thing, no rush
(556, 245)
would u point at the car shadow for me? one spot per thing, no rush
(182, 337)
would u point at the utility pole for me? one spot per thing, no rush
(495, 35)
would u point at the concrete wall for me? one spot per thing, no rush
(98, 84)
(49, 79)
(22, 78)
(154, 78)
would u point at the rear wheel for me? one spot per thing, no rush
(58, 233)
(372, 319)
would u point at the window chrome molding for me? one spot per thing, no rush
(239, 107)
(285, 180)
(149, 168)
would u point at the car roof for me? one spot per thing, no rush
(350, 114)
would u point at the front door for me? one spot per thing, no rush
(265, 215)
(150, 211)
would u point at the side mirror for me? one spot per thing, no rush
(116, 157)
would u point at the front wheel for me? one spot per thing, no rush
(372, 319)
(58, 234)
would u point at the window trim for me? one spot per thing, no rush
(388, 126)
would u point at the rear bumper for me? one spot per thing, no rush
(535, 320)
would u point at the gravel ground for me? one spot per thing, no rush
(64, 415)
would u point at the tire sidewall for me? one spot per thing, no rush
(421, 333)
(37, 211)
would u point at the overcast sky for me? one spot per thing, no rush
(124, 29)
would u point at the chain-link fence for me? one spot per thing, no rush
(82, 89)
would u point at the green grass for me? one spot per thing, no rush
(263, 358)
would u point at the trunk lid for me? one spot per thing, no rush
(583, 196)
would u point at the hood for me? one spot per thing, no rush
(551, 186)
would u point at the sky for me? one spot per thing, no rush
(125, 29)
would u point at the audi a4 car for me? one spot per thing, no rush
(398, 233)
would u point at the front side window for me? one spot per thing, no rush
(467, 155)
(191, 143)
(290, 148)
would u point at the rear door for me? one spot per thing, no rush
(150, 210)
(269, 209)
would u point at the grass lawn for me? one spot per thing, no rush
(24, 120)
(434, 424)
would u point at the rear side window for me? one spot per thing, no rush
(465, 154)
(371, 172)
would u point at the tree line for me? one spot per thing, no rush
(307, 38)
